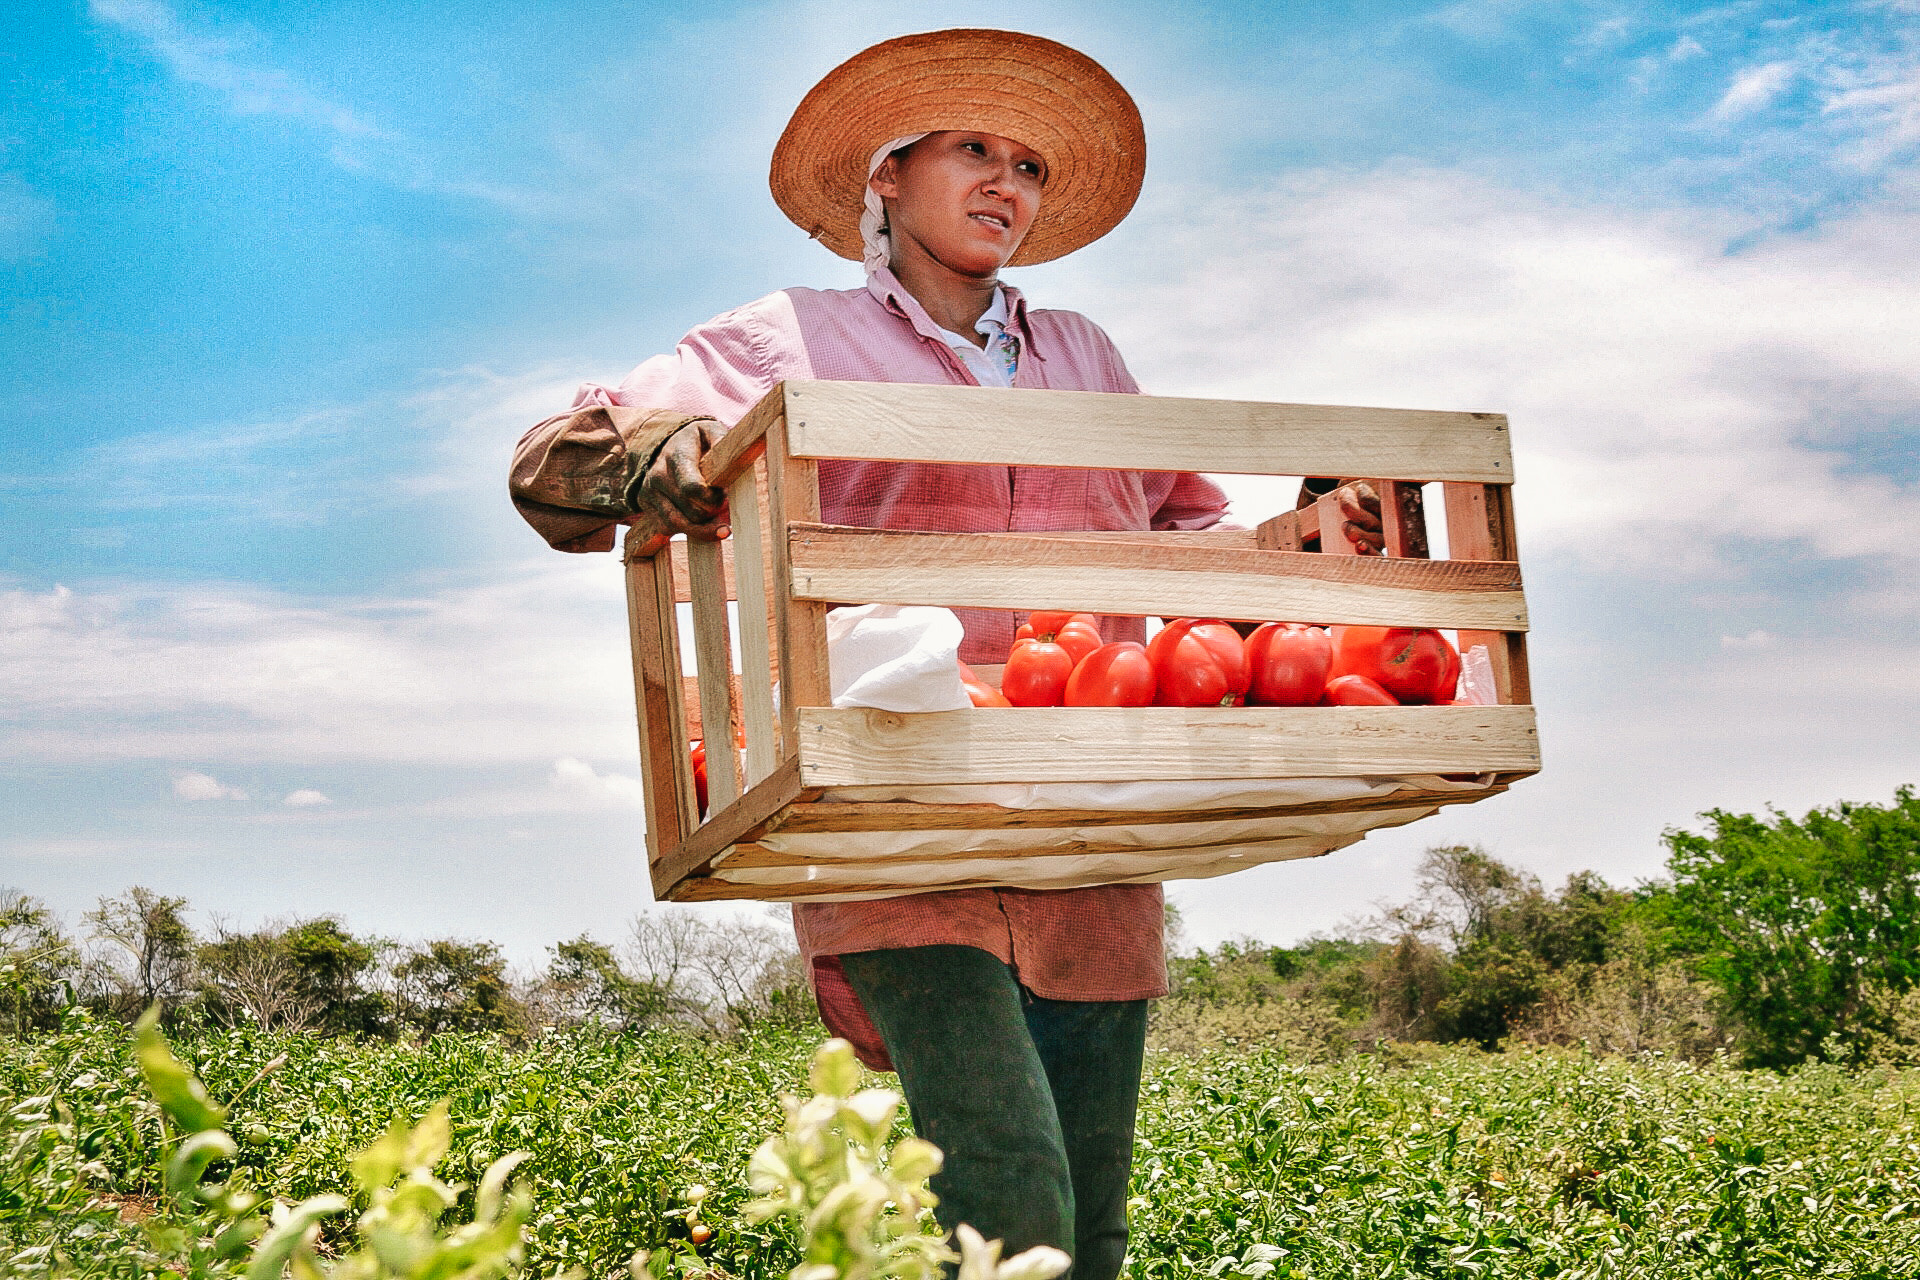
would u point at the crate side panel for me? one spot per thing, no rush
(862, 747)
(922, 423)
(1010, 571)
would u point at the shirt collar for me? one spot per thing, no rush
(1010, 309)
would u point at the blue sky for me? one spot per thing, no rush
(284, 283)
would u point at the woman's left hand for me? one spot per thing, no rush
(1360, 517)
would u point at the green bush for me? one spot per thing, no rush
(1797, 922)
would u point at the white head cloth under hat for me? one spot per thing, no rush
(876, 247)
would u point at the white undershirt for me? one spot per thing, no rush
(986, 366)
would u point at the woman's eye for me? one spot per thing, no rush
(978, 148)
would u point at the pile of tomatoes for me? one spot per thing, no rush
(1059, 659)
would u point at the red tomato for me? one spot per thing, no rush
(699, 754)
(1230, 651)
(1048, 622)
(1079, 638)
(1114, 675)
(979, 691)
(1036, 674)
(1358, 691)
(1077, 633)
(1023, 632)
(1413, 664)
(1185, 671)
(1290, 664)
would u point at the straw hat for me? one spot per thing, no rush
(1037, 92)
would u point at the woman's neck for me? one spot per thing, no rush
(953, 301)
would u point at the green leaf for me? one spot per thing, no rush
(176, 1089)
(189, 1163)
(270, 1259)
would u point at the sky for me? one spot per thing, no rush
(281, 285)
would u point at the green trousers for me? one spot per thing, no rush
(1032, 1100)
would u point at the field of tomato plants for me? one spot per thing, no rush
(1441, 1162)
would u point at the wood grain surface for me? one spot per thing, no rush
(907, 422)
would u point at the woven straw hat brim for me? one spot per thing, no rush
(1035, 91)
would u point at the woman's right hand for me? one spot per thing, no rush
(672, 497)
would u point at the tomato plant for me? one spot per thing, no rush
(1036, 674)
(1414, 664)
(1290, 664)
(1114, 675)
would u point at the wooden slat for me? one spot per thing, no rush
(926, 423)
(1285, 532)
(677, 556)
(745, 442)
(1012, 571)
(696, 723)
(744, 819)
(1202, 539)
(861, 747)
(794, 497)
(749, 854)
(1005, 870)
(713, 663)
(842, 816)
(756, 661)
(1403, 517)
(668, 613)
(1328, 518)
(656, 684)
(1480, 527)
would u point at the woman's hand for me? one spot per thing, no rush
(1360, 517)
(672, 497)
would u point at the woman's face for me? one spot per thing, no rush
(964, 199)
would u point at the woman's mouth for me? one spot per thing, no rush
(993, 220)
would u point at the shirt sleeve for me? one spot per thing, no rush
(1192, 502)
(573, 475)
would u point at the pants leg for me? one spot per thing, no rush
(1092, 1052)
(1032, 1100)
(952, 1023)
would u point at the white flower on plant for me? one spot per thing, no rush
(980, 1259)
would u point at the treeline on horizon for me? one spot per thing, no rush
(1770, 939)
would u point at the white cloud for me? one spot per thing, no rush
(306, 798)
(210, 61)
(1883, 104)
(1751, 640)
(190, 785)
(579, 780)
(1671, 402)
(1752, 89)
(529, 665)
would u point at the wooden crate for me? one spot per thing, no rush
(786, 569)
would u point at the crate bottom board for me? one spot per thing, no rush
(1067, 857)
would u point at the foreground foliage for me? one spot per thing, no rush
(1413, 1163)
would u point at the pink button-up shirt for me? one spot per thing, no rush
(1102, 943)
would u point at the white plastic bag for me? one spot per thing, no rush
(895, 658)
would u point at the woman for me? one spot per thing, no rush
(1016, 1019)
